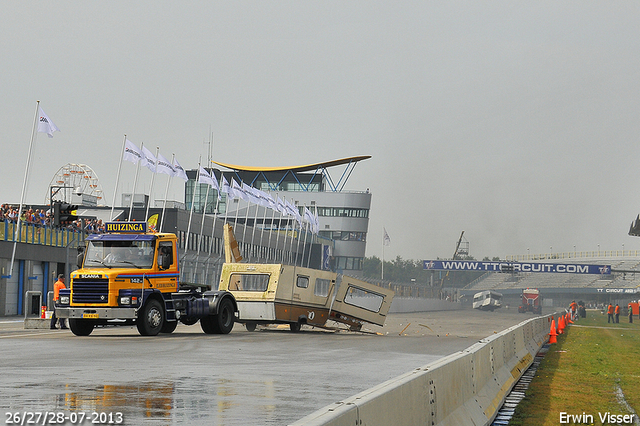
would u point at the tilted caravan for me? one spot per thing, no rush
(487, 300)
(286, 294)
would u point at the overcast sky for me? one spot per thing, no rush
(517, 122)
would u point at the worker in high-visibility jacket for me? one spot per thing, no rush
(610, 313)
(59, 285)
(573, 307)
(617, 313)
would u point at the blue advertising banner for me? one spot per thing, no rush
(555, 268)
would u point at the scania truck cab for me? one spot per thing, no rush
(131, 276)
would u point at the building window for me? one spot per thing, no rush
(343, 212)
(349, 263)
(344, 235)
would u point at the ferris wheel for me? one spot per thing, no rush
(74, 179)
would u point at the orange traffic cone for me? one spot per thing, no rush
(560, 324)
(552, 332)
(569, 318)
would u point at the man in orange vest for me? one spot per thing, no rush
(574, 310)
(59, 285)
(617, 312)
(610, 313)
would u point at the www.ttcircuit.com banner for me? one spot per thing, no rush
(557, 268)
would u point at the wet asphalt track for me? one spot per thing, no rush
(267, 377)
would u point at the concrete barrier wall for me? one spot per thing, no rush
(464, 388)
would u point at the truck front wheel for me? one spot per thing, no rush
(80, 327)
(151, 319)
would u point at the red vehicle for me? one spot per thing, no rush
(531, 301)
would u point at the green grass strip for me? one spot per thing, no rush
(581, 374)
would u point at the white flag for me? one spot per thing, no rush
(226, 188)
(164, 166)
(205, 177)
(281, 207)
(131, 152)
(385, 238)
(238, 190)
(149, 160)
(180, 171)
(45, 125)
(307, 215)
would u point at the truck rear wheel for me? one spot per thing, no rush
(151, 320)
(80, 327)
(222, 323)
(224, 319)
(207, 324)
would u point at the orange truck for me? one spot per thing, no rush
(130, 276)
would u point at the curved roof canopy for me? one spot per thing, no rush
(305, 168)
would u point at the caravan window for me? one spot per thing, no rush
(364, 299)
(302, 282)
(322, 287)
(248, 282)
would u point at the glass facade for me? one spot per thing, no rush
(213, 204)
(342, 212)
(344, 235)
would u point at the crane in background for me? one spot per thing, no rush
(455, 253)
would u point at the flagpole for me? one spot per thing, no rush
(304, 244)
(215, 210)
(273, 215)
(295, 261)
(313, 236)
(153, 176)
(213, 226)
(204, 213)
(286, 225)
(166, 194)
(113, 203)
(275, 255)
(135, 182)
(382, 276)
(16, 227)
(193, 198)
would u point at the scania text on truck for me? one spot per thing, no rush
(130, 276)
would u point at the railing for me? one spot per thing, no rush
(574, 255)
(41, 235)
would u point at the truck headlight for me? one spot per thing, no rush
(64, 300)
(125, 300)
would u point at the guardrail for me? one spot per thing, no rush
(573, 255)
(34, 234)
(464, 388)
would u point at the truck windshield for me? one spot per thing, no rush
(119, 254)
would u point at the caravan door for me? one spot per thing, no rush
(358, 301)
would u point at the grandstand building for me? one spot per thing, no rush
(621, 286)
(343, 215)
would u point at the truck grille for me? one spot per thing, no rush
(90, 290)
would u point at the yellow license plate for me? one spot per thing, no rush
(90, 316)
